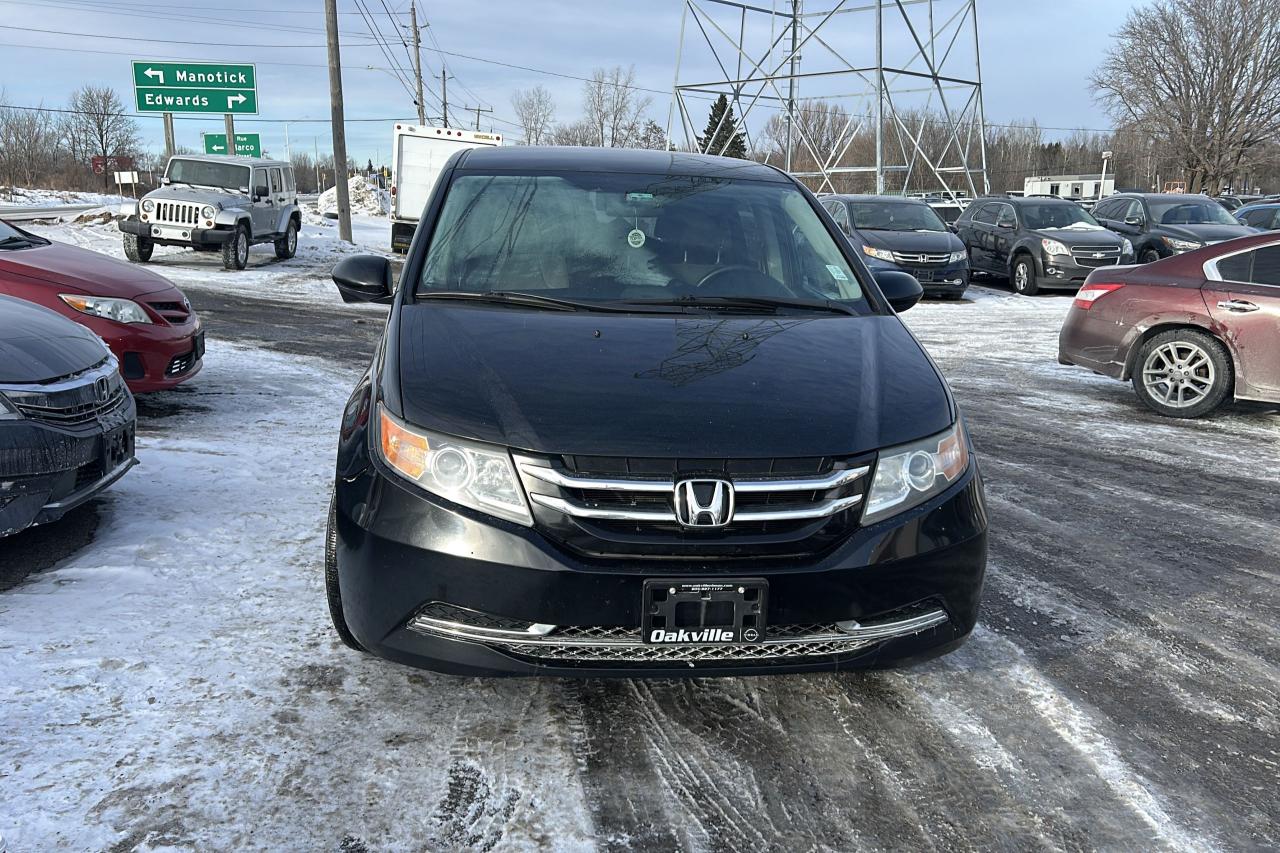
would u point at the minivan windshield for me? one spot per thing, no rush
(206, 174)
(894, 216)
(626, 238)
(1057, 214)
(1183, 212)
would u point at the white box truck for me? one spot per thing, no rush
(418, 155)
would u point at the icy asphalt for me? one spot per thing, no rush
(170, 680)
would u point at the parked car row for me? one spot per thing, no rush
(80, 333)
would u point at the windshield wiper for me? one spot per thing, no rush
(510, 297)
(760, 303)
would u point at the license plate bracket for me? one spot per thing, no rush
(704, 612)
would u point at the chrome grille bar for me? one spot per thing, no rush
(781, 512)
(834, 480)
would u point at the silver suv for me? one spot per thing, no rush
(217, 204)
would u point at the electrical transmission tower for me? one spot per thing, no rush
(857, 94)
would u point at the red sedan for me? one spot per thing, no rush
(146, 321)
(1189, 331)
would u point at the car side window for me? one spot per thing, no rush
(841, 215)
(987, 214)
(1135, 211)
(1260, 218)
(1266, 266)
(1103, 211)
(1007, 218)
(1236, 267)
(277, 182)
(288, 181)
(259, 180)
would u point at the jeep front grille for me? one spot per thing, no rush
(628, 506)
(177, 213)
(588, 644)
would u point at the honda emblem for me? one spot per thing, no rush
(704, 503)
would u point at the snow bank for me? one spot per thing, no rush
(366, 199)
(20, 196)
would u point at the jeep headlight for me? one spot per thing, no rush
(1053, 247)
(148, 205)
(475, 475)
(958, 256)
(910, 474)
(879, 254)
(120, 310)
(207, 211)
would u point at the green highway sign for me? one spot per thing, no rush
(195, 87)
(247, 144)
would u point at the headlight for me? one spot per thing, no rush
(8, 411)
(1053, 247)
(475, 475)
(1126, 248)
(1181, 245)
(881, 254)
(909, 475)
(958, 256)
(207, 211)
(148, 205)
(120, 310)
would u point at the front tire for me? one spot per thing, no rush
(287, 246)
(1182, 373)
(1023, 276)
(235, 252)
(138, 249)
(1148, 256)
(331, 588)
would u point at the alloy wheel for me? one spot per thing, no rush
(242, 248)
(1179, 374)
(1020, 277)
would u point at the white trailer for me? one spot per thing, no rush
(418, 155)
(1070, 186)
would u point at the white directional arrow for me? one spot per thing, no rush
(218, 147)
(156, 73)
(235, 99)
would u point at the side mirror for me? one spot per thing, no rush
(951, 226)
(1004, 224)
(899, 288)
(364, 278)
(165, 180)
(1135, 221)
(260, 191)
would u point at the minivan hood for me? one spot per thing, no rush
(1208, 233)
(82, 271)
(663, 386)
(913, 241)
(39, 345)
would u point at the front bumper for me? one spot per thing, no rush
(47, 471)
(172, 235)
(1058, 272)
(403, 555)
(951, 279)
(153, 357)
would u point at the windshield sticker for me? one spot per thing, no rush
(635, 238)
(837, 273)
(639, 196)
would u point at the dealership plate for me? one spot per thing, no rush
(718, 611)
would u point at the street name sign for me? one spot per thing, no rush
(247, 144)
(195, 87)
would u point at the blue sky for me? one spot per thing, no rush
(1036, 56)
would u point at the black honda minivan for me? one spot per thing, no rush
(646, 413)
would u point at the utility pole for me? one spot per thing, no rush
(230, 126)
(288, 152)
(170, 145)
(417, 60)
(477, 111)
(444, 93)
(791, 80)
(338, 122)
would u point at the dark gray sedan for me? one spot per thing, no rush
(66, 418)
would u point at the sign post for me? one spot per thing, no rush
(247, 144)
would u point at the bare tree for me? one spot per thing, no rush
(613, 107)
(577, 133)
(536, 113)
(29, 147)
(97, 126)
(1201, 76)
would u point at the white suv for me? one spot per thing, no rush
(217, 203)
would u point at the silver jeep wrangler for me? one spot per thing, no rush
(217, 204)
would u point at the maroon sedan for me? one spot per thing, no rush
(1189, 331)
(143, 318)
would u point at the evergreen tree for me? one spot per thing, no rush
(727, 140)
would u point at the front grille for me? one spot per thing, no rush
(624, 645)
(73, 402)
(177, 213)
(174, 312)
(922, 258)
(607, 506)
(1096, 256)
(180, 364)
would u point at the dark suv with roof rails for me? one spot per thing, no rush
(1038, 243)
(646, 413)
(896, 233)
(1161, 225)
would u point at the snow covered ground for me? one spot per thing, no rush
(175, 684)
(21, 197)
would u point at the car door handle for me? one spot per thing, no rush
(1239, 306)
